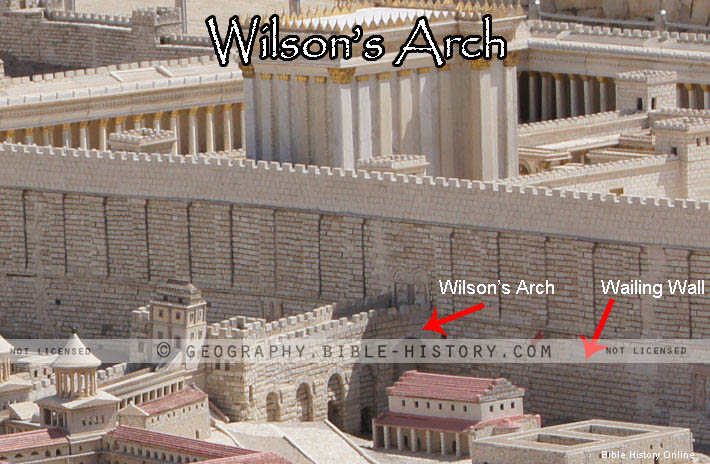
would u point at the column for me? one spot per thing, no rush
(364, 111)
(242, 124)
(209, 128)
(603, 94)
(386, 435)
(266, 144)
(385, 102)
(458, 445)
(157, 120)
(428, 442)
(482, 161)
(227, 126)
(119, 123)
(559, 96)
(532, 96)
(706, 96)
(546, 96)
(66, 135)
(340, 117)
(407, 143)
(588, 100)
(400, 439)
(29, 136)
(413, 440)
(508, 164)
(282, 107)
(428, 123)
(192, 131)
(137, 121)
(447, 138)
(175, 128)
(692, 104)
(247, 112)
(574, 95)
(442, 438)
(83, 135)
(103, 134)
(47, 135)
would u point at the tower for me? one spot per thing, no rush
(179, 314)
(78, 407)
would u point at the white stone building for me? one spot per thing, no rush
(442, 414)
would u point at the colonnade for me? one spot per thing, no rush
(416, 440)
(545, 95)
(76, 383)
(198, 130)
(695, 96)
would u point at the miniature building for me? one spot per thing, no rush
(179, 314)
(409, 165)
(646, 90)
(12, 388)
(588, 442)
(143, 140)
(443, 413)
(78, 406)
(184, 413)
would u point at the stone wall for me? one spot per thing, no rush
(655, 176)
(79, 40)
(682, 11)
(87, 235)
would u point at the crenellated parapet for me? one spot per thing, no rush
(89, 18)
(384, 195)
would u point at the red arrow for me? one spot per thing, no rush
(591, 347)
(435, 324)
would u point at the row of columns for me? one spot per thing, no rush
(556, 96)
(695, 96)
(119, 123)
(412, 443)
(72, 384)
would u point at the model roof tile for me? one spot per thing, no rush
(30, 440)
(414, 384)
(172, 442)
(175, 400)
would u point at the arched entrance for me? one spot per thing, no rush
(367, 400)
(273, 410)
(304, 403)
(336, 395)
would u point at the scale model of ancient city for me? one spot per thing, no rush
(149, 193)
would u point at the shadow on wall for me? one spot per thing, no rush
(20, 68)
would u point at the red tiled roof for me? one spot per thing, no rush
(416, 384)
(257, 458)
(185, 397)
(33, 439)
(411, 421)
(173, 442)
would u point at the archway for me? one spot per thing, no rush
(336, 394)
(304, 403)
(367, 400)
(273, 410)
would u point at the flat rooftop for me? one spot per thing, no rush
(582, 436)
